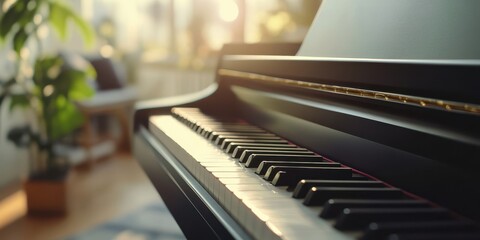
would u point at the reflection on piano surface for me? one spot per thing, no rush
(295, 147)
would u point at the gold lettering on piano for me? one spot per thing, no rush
(357, 92)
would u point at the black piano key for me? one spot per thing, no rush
(263, 167)
(334, 207)
(319, 196)
(206, 126)
(210, 134)
(360, 218)
(237, 153)
(213, 124)
(382, 230)
(233, 146)
(230, 127)
(436, 236)
(221, 140)
(190, 124)
(207, 132)
(255, 159)
(200, 123)
(273, 170)
(215, 134)
(227, 142)
(293, 176)
(359, 177)
(305, 185)
(198, 117)
(247, 153)
(198, 126)
(201, 120)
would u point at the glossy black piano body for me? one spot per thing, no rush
(412, 124)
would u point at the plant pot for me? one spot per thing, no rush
(48, 195)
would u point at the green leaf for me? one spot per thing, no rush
(42, 67)
(9, 19)
(91, 73)
(18, 16)
(63, 83)
(19, 40)
(20, 100)
(26, 17)
(85, 29)
(58, 18)
(72, 84)
(80, 90)
(65, 120)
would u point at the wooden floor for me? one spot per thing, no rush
(103, 192)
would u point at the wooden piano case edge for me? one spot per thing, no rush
(197, 213)
(144, 109)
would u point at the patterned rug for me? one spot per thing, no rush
(152, 222)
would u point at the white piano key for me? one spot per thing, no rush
(239, 181)
(253, 189)
(203, 165)
(241, 197)
(218, 175)
(241, 210)
(200, 166)
(210, 178)
(236, 181)
(280, 212)
(225, 169)
(220, 164)
(218, 187)
(233, 181)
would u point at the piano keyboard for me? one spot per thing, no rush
(277, 190)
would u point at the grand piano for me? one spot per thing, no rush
(369, 129)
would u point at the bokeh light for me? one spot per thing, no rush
(228, 10)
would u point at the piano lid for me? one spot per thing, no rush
(407, 29)
(410, 52)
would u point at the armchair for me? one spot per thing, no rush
(113, 101)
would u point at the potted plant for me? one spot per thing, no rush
(49, 87)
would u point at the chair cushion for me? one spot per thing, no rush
(107, 78)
